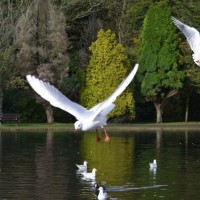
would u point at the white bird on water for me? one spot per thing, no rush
(153, 165)
(193, 37)
(82, 167)
(102, 194)
(90, 175)
(87, 119)
(96, 187)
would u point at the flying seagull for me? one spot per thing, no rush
(193, 38)
(91, 119)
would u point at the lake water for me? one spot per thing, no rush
(42, 165)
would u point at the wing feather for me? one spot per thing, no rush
(105, 104)
(56, 98)
(191, 34)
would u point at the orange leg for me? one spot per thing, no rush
(98, 137)
(107, 138)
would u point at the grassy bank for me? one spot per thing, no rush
(110, 126)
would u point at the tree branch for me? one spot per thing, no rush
(86, 13)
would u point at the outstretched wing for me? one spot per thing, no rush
(192, 35)
(56, 98)
(106, 103)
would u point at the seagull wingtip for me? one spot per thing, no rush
(136, 66)
(175, 21)
(28, 77)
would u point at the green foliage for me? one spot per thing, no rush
(133, 19)
(4, 57)
(23, 102)
(108, 66)
(72, 85)
(193, 78)
(159, 53)
(125, 18)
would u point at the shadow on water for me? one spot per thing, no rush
(42, 165)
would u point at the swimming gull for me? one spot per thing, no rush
(96, 186)
(82, 167)
(90, 175)
(102, 194)
(153, 164)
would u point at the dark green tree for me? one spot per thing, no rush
(7, 23)
(108, 66)
(132, 22)
(160, 75)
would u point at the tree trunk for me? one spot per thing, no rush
(43, 60)
(158, 112)
(1, 93)
(120, 28)
(49, 113)
(1, 99)
(47, 107)
(42, 21)
(187, 108)
(159, 105)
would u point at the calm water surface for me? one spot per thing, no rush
(41, 165)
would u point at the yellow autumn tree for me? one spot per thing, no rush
(108, 66)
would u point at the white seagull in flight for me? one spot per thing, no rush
(193, 38)
(87, 119)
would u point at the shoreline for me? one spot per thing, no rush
(195, 126)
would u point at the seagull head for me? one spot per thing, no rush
(77, 125)
(85, 163)
(94, 170)
(101, 188)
